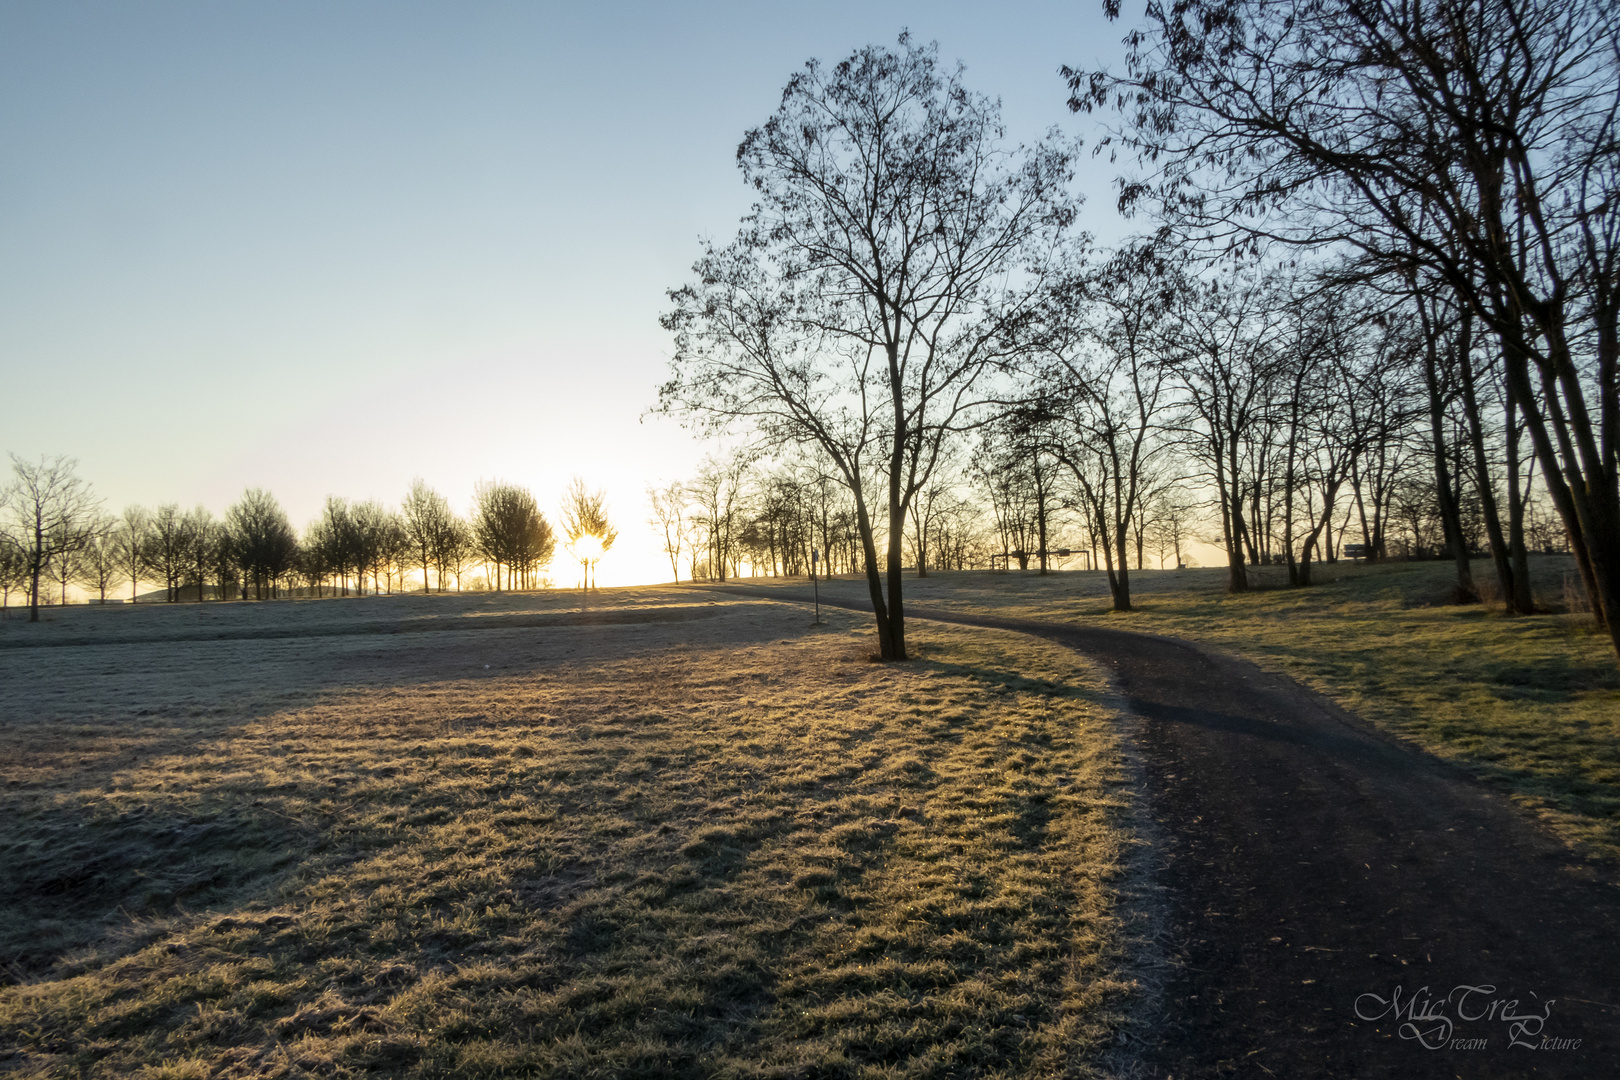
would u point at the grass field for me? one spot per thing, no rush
(1531, 705)
(486, 836)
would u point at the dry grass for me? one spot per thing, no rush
(720, 846)
(1531, 705)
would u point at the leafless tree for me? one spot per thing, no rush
(453, 552)
(1473, 141)
(510, 531)
(426, 518)
(168, 548)
(865, 297)
(203, 536)
(133, 537)
(50, 516)
(668, 505)
(717, 497)
(1103, 392)
(585, 523)
(101, 565)
(13, 571)
(262, 539)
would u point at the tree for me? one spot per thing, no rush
(585, 523)
(1103, 392)
(1474, 140)
(168, 548)
(866, 295)
(509, 530)
(50, 516)
(203, 538)
(716, 494)
(453, 551)
(374, 542)
(262, 540)
(426, 517)
(1222, 357)
(668, 517)
(101, 566)
(132, 533)
(13, 571)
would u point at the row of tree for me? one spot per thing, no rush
(56, 534)
(1379, 301)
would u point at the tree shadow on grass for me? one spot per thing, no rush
(81, 870)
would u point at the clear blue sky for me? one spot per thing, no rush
(326, 247)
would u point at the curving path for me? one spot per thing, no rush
(1316, 868)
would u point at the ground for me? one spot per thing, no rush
(685, 832)
(1529, 706)
(488, 835)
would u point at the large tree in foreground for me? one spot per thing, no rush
(866, 296)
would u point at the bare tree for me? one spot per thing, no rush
(510, 531)
(168, 548)
(50, 516)
(1103, 393)
(865, 297)
(669, 518)
(426, 518)
(1475, 140)
(13, 572)
(101, 565)
(1221, 355)
(262, 539)
(133, 536)
(585, 523)
(453, 551)
(717, 494)
(203, 535)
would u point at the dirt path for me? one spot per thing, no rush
(1317, 869)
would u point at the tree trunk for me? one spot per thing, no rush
(1487, 493)
(1450, 516)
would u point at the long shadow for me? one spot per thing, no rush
(85, 854)
(1315, 865)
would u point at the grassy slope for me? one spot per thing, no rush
(726, 848)
(1531, 705)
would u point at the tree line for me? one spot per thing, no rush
(56, 534)
(1376, 306)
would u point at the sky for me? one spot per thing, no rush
(325, 248)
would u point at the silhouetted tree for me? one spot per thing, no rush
(168, 551)
(50, 516)
(865, 296)
(1471, 140)
(669, 518)
(262, 539)
(101, 567)
(585, 523)
(509, 530)
(453, 551)
(133, 537)
(426, 518)
(13, 571)
(203, 536)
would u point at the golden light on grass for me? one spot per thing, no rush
(713, 841)
(1529, 704)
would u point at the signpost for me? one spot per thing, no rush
(815, 557)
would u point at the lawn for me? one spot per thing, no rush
(499, 835)
(1530, 705)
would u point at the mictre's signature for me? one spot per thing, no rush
(1430, 1019)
